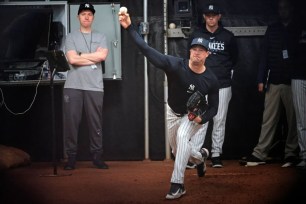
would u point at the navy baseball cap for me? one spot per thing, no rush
(86, 6)
(211, 8)
(200, 41)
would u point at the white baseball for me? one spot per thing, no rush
(123, 10)
(172, 25)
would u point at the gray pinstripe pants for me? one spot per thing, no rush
(182, 138)
(218, 132)
(299, 100)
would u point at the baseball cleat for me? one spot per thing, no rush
(201, 168)
(176, 191)
(191, 165)
(254, 161)
(216, 162)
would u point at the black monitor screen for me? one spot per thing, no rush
(24, 32)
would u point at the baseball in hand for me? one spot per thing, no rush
(123, 10)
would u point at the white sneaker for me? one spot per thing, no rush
(287, 164)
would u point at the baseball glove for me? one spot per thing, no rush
(196, 105)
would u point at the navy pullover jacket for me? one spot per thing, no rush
(224, 52)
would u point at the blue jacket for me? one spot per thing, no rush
(278, 53)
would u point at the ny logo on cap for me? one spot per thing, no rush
(87, 6)
(211, 7)
(200, 40)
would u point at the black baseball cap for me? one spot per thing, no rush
(211, 8)
(200, 41)
(86, 6)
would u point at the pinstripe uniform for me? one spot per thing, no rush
(299, 99)
(218, 133)
(298, 85)
(182, 83)
(180, 132)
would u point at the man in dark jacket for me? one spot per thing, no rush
(185, 77)
(222, 59)
(276, 64)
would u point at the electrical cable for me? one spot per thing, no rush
(31, 104)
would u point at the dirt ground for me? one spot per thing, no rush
(148, 182)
